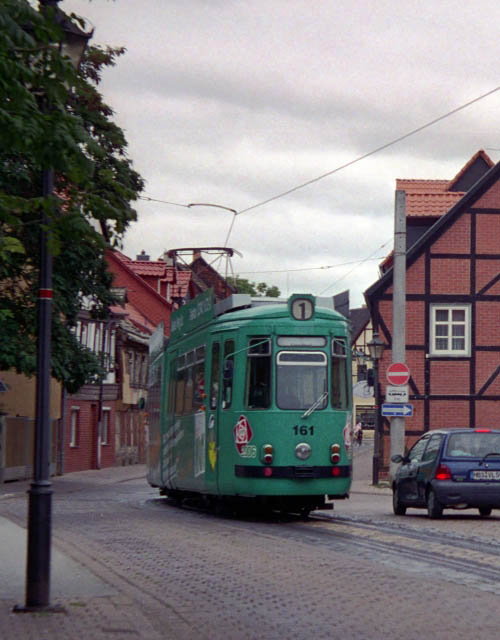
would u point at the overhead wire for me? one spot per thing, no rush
(328, 266)
(340, 168)
(346, 164)
(358, 265)
(371, 153)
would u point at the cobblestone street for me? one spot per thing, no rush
(158, 571)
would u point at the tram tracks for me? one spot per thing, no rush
(461, 560)
(422, 551)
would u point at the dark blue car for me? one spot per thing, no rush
(449, 469)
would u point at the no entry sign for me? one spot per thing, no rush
(398, 373)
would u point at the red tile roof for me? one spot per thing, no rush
(430, 204)
(422, 186)
(134, 316)
(146, 268)
(434, 198)
(180, 289)
(158, 269)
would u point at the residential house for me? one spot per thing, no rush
(17, 424)
(204, 277)
(104, 424)
(452, 301)
(363, 397)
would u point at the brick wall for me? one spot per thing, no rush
(450, 276)
(487, 233)
(486, 270)
(491, 199)
(83, 456)
(487, 362)
(488, 323)
(449, 377)
(449, 413)
(456, 239)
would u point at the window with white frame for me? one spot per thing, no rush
(74, 435)
(450, 330)
(106, 415)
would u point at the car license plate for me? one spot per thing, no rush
(486, 475)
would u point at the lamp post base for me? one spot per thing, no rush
(50, 608)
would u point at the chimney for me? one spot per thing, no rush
(143, 257)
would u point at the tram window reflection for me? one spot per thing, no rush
(301, 379)
(227, 387)
(214, 386)
(340, 397)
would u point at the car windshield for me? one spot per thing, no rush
(473, 445)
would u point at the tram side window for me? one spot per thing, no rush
(258, 382)
(190, 381)
(227, 374)
(189, 385)
(180, 385)
(171, 387)
(214, 377)
(199, 378)
(340, 398)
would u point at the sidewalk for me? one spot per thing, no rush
(94, 606)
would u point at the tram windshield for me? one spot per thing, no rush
(301, 379)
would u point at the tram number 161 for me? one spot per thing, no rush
(303, 430)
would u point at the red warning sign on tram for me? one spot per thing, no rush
(398, 373)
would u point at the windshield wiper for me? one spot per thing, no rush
(316, 404)
(493, 453)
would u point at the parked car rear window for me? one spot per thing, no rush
(473, 445)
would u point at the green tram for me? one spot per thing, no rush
(251, 399)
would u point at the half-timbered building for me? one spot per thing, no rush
(452, 301)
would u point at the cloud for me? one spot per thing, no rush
(234, 103)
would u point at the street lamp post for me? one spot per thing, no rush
(40, 492)
(376, 349)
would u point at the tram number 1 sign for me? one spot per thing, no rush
(398, 373)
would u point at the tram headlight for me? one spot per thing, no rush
(267, 453)
(335, 453)
(303, 451)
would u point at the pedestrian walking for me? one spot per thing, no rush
(358, 433)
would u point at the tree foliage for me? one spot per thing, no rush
(242, 285)
(44, 125)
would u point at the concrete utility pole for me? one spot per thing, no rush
(398, 315)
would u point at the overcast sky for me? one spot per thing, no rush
(233, 102)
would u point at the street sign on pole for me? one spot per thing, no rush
(397, 394)
(397, 410)
(398, 373)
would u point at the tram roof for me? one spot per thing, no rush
(201, 311)
(247, 307)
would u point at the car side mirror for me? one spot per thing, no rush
(397, 458)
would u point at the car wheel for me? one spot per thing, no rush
(398, 508)
(434, 507)
(484, 511)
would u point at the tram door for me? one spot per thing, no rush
(213, 392)
(219, 409)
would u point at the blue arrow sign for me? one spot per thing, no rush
(397, 410)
